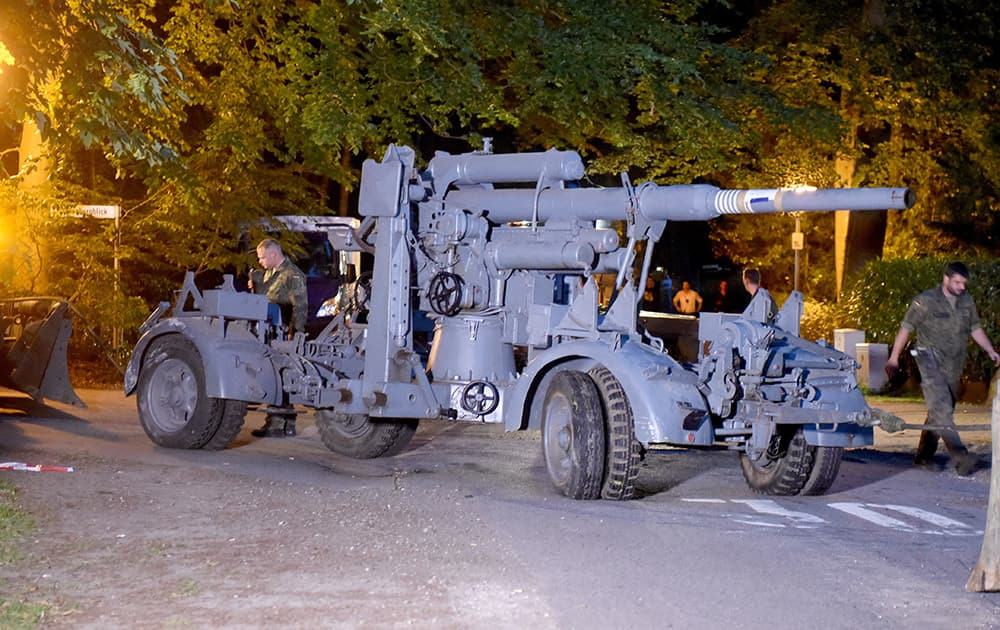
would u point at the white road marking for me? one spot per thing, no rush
(866, 511)
(748, 521)
(767, 506)
(859, 510)
(930, 517)
(873, 513)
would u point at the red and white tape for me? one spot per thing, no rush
(34, 467)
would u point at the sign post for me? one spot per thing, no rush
(798, 242)
(110, 212)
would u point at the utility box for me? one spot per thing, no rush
(845, 340)
(872, 357)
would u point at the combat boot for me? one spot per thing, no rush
(926, 447)
(966, 464)
(274, 426)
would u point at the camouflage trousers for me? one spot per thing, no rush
(939, 394)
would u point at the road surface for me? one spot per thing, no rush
(463, 530)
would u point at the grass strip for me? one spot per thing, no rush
(15, 523)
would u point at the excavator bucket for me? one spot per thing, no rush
(33, 356)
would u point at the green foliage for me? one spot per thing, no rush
(915, 86)
(877, 299)
(200, 118)
(92, 74)
(820, 319)
(14, 523)
(21, 615)
(764, 242)
(265, 105)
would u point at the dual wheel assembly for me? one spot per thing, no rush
(588, 436)
(790, 466)
(591, 452)
(174, 408)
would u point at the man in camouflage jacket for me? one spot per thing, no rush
(285, 285)
(943, 319)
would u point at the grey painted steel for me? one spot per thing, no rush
(507, 277)
(237, 364)
(695, 202)
(477, 168)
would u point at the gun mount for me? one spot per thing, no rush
(502, 253)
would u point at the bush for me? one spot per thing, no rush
(820, 319)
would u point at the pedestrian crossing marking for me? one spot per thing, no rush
(899, 518)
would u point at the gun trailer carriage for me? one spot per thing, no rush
(502, 253)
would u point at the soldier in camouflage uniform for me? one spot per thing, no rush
(284, 284)
(943, 319)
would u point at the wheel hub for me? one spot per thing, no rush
(174, 395)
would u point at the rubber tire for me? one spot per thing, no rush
(360, 437)
(786, 475)
(233, 415)
(573, 435)
(623, 452)
(826, 467)
(172, 367)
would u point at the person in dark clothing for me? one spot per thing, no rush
(724, 301)
(751, 282)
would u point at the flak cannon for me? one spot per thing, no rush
(483, 306)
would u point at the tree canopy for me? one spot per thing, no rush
(199, 118)
(914, 84)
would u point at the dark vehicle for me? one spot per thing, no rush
(36, 333)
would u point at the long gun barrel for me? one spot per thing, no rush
(549, 199)
(695, 202)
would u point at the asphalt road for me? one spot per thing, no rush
(469, 510)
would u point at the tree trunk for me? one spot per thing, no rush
(34, 167)
(343, 208)
(986, 574)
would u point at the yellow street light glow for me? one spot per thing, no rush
(6, 59)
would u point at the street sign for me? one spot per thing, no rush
(798, 240)
(101, 212)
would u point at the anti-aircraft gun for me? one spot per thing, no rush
(502, 252)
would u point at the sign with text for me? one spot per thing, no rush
(798, 240)
(101, 212)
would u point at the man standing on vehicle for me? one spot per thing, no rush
(943, 319)
(285, 285)
(751, 282)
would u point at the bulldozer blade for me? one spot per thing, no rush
(36, 337)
